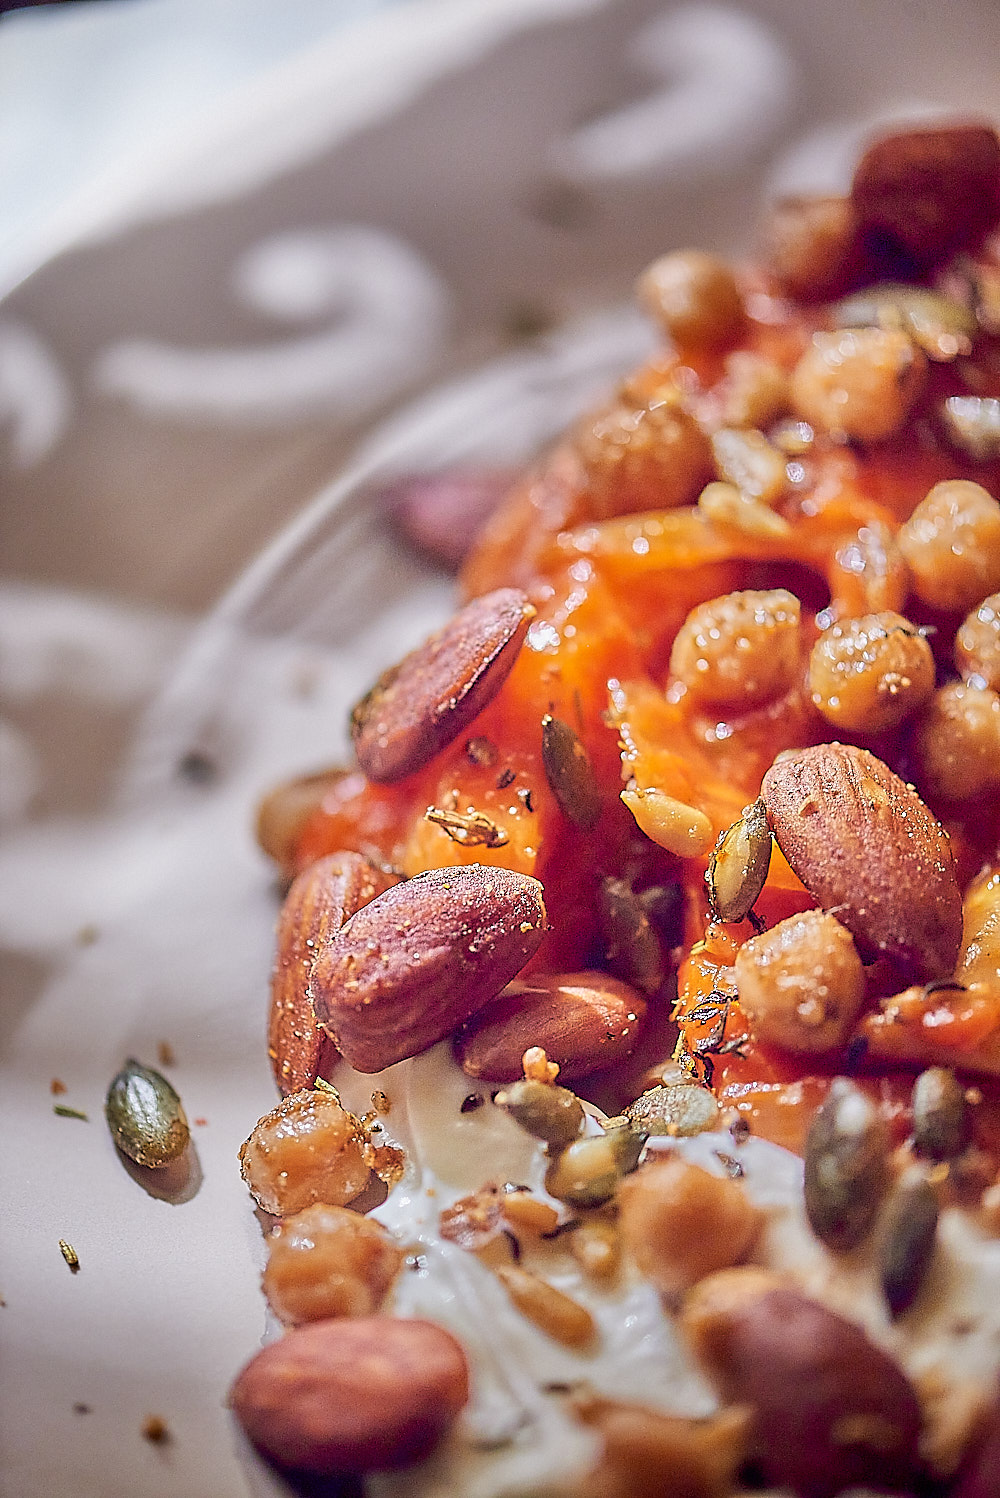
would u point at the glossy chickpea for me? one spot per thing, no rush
(977, 645)
(695, 298)
(801, 984)
(951, 543)
(327, 1261)
(305, 1150)
(753, 391)
(812, 246)
(680, 1223)
(652, 456)
(871, 673)
(858, 383)
(957, 742)
(741, 649)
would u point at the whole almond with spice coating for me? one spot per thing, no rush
(408, 969)
(869, 850)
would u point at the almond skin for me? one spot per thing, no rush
(316, 906)
(583, 1022)
(355, 1394)
(418, 707)
(867, 848)
(410, 967)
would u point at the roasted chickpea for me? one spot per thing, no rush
(812, 246)
(952, 545)
(957, 742)
(871, 673)
(305, 1150)
(754, 390)
(801, 984)
(680, 1223)
(327, 1261)
(858, 382)
(741, 649)
(744, 457)
(694, 296)
(977, 645)
(644, 457)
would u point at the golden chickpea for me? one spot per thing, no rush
(869, 674)
(305, 1150)
(801, 984)
(952, 545)
(680, 1223)
(957, 742)
(858, 382)
(327, 1261)
(695, 298)
(753, 391)
(812, 246)
(644, 457)
(977, 645)
(739, 650)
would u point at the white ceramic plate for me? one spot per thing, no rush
(211, 343)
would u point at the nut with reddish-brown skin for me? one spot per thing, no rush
(408, 969)
(361, 1394)
(316, 906)
(977, 1475)
(812, 246)
(418, 707)
(583, 1022)
(442, 513)
(867, 848)
(830, 1409)
(930, 191)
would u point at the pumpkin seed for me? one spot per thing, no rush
(972, 425)
(590, 1170)
(680, 1109)
(940, 1114)
(145, 1116)
(632, 950)
(570, 774)
(739, 864)
(547, 1112)
(943, 328)
(908, 1246)
(846, 1166)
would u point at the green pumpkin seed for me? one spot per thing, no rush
(943, 328)
(739, 864)
(145, 1116)
(972, 426)
(846, 1166)
(632, 950)
(908, 1245)
(590, 1170)
(678, 1110)
(547, 1112)
(570, 774)
(940, 1114)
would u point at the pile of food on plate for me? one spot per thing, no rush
(636, 1007)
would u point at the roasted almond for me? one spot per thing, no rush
(583, 1022)
(317, 905)
(868, 849)
(418, 707)
(410, 967)
(931, 191)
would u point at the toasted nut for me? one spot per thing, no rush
(552, 1114)
(858, 383)
(695, 297)
(441, 513)
(941, 1123)
(931, 190)
(869, 674)
(308, 1149)
(570, 774)
(554, 1313)
(326, 1261)
(284, 812)
(723, 504)
(753, 392)
(812, 246)
(671, 824)
(584, 1021)
(355, 1395)
(864, 844)
(739, 864)
(408, 968)
(473, 1221)
(631, 946)
(647, 1453)
(977, 1475)
(846, 1166)
(708, 1308)
(316, 906)
(425, 702)
(146, 1116)
(801, 983)
(589, 1171)
(744, 457)
(908, 1242)
(942, 327)
(972, 425)
(596, 1247)
(678, 1110)
(680, 1223)
(528, 1213)
(830, 1409)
